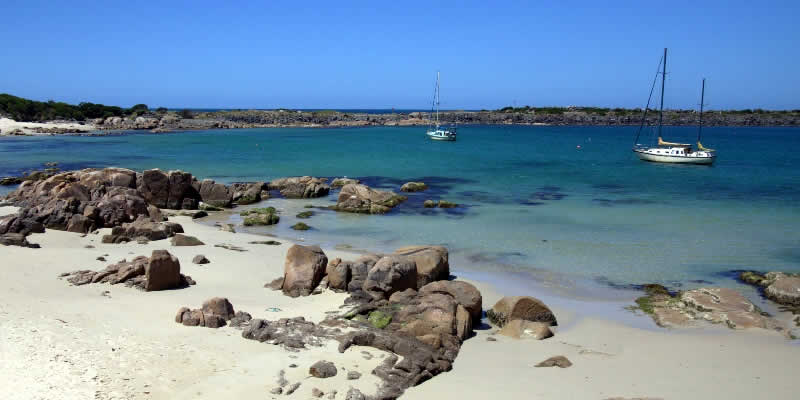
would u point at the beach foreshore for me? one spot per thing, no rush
(59, 341)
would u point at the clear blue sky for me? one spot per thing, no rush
(382, 54)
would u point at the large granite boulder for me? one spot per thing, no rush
(338, 273)
(357, 198)
(303, 270)
(163, 271)
(464, 293)
(432, 262)
(168, 189)
(214, 194)
(390, 274)
(525, 308)
(215, 313)
(143, 227)
(300, 187)
(248, 193)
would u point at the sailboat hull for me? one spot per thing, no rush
(442, 135)
(663, 156)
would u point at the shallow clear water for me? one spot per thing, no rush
(533, 201)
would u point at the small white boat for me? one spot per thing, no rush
(668, 152)
(436, 131)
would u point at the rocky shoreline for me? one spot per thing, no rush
(405, 305)
(172, 121)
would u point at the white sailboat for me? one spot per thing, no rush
(668, 152)
(436, 131)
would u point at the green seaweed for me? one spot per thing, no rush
(379, 319)
(300, 226)
(305, 214)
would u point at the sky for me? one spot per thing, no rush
(381, 54)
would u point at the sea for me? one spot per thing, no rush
(569, 210)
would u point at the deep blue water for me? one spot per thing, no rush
(532, 200)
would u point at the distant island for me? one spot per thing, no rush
(23, 116)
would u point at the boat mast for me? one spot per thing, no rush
(661, 108)
(437, 99)
(702, 100)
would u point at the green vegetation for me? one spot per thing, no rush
(379, 319)
(20, 109)
(265, 210)
(305, 214)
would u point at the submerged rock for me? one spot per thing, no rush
(779, 287)
(413, 187)
(357, 198)
(261, 216)
(713, 305)
(341, 182)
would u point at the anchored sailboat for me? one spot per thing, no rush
(436, 132)
(668, 152)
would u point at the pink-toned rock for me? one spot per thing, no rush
(464, 293)
(432, 262)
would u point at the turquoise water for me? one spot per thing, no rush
(534, 202)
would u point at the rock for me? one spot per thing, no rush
(11, 180)
(323, 369)
(219, 306)
(522, 329)
(464, 293)
(785, 289)
(291, 389)
(429, 204)
(276, 284)
(413, 187)
(389, 275)
(200, 259)
(155, 213)
(185, 240)
(317, 393)
(340, 182)
(303, 270)
(227, 228)
(432, 262)
(305, 214)
(163, 271)
(359, 198)
(338, 274)
(158, 272)
(261, 216)
(248, 193)
(446, 204)
(353, 375)
(355, 394)
(267, 242)
(142, 227)
(276, 390)
(713, 305)
(556, 361)
(302, 187)
(16, 239)
(214, 194)
(214, 314)
(403, 297)
(300, 227)
(520, 307)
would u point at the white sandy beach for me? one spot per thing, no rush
(111, 342)
(7, 126)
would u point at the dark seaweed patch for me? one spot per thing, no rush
(630, 201)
